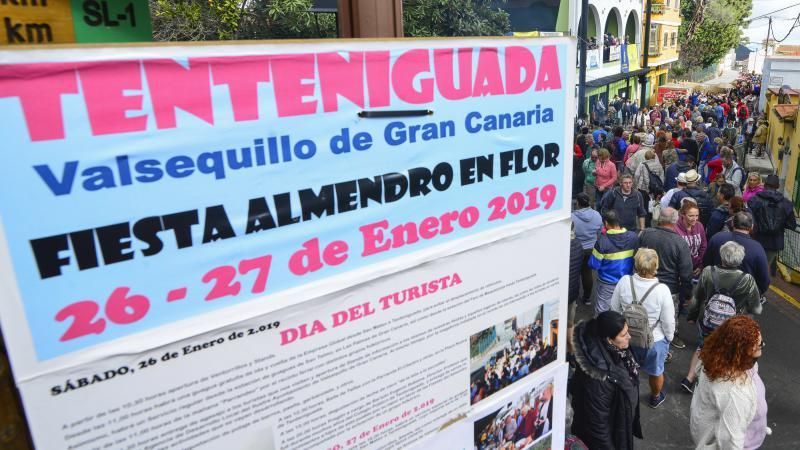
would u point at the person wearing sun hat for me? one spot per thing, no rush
(700, 196)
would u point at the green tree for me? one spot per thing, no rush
(200, 20)
(710, 28)
(429, 18)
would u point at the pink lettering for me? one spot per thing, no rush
(338, 76)
(520, 69)
(174, 86)
(405, 71)
(103, 84)
(242, 75)
(39, 88)
(549, 76)
(378, 78)
(445, 76)
(373, 238)
(487, 79)
(289, 75)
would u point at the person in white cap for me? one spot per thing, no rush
(700, 196)
(636, 159)
(681, 179)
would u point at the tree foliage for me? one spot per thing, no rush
(200, 20)
(429, 18)
(710, 28)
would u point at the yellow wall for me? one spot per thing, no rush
(662, 11)
(784, 129)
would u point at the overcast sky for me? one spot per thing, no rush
(781, 21)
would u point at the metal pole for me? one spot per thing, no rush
(643, 77)
(583, 38)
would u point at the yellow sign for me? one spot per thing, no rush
(633, 57)
(36, 22)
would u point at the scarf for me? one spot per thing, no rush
(627, 359)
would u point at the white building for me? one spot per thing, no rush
(605, 76)
(778, 71)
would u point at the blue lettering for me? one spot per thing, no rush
(149, 170)
(62, 187)
(469, 122)
(180, 166)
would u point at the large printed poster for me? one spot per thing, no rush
(161, 205)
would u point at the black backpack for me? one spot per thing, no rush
(654, 185)
(772, 216)
(704, 203)
(743, 181)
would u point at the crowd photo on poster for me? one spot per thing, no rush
(506, 352)
(521, 423)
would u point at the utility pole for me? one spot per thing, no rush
(583, 38)
(643, 77)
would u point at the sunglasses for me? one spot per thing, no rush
(762, 344)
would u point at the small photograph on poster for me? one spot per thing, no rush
(508, 351)
(525, 422)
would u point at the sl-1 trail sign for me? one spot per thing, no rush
(68, 21)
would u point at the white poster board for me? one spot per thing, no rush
(210, 246)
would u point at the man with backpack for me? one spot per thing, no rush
(722, 292)
(674, 260)
(700, 196)
(755, 259)
(772, 213)
(650, 315)
(734, 174)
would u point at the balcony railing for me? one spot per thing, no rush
(657, 9)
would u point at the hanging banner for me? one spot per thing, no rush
(153, 195)
(613, 52)
(593, 58)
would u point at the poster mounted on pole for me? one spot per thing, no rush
(219, 243)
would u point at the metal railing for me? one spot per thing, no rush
(790, 255)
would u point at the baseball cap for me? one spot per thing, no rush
(681, 177)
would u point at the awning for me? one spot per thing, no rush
(598, 82)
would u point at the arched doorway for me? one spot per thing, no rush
(632, 28)
(594, 25)
(613, 22)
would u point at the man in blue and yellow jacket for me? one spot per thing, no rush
(612, 258)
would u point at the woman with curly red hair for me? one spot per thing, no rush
(729, 407)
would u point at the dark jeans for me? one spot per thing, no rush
(587, 275)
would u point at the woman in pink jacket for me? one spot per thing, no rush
(693, 232)
(753, 186)
(605, 174)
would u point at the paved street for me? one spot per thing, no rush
(668, 426)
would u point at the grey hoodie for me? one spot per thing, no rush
(587, 226)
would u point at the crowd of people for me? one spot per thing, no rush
(519, 426)
(525, 353)
(667, 224)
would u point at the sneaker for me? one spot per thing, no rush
(656, 401)
(587, 301)
(687, 385)
(677, 342)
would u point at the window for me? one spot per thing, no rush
(666, 39)
(677, 4)
(667, 3)
(653, 47)
(674, 39)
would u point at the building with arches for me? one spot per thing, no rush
(665, 19)
(615, 36)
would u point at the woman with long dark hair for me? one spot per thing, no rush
(605, 387)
